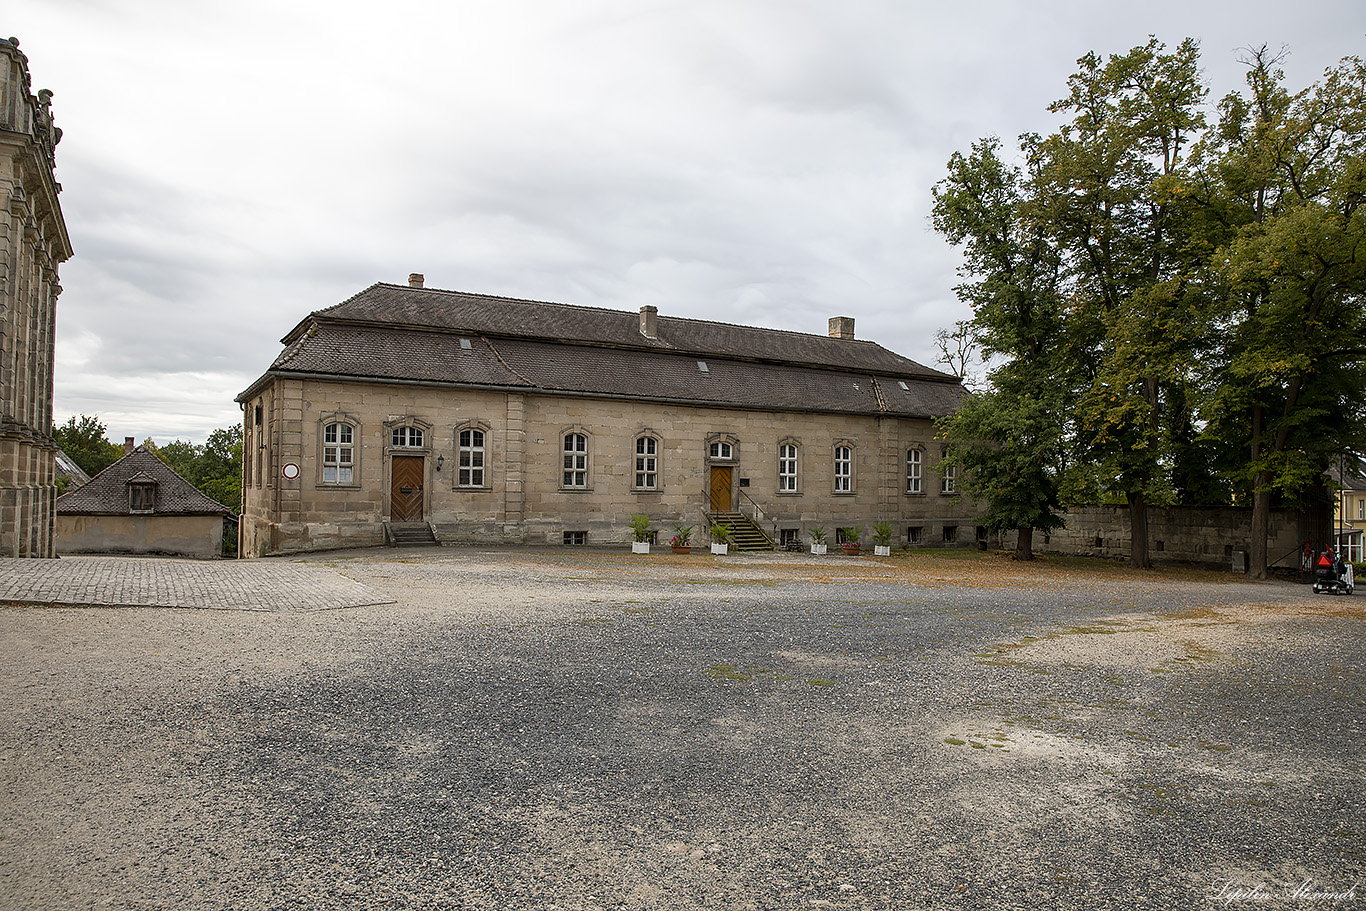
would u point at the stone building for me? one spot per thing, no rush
(139, 505)
(474, 418)
(33, 242)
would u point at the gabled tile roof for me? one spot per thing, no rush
(394, 332)
(106, 494)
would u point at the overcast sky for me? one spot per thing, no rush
(228, 167)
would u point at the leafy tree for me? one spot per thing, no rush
(1008, 438)
(1287, 176)
(1108, 191)
(215, 468)
(83, 439)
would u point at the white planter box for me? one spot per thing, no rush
(640, 547)
(881, 551)
(720, 549)
(818, 548)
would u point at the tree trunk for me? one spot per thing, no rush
(1261, 522)
(1024, 543)
(1138, 532)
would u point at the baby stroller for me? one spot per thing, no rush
(1332, 575)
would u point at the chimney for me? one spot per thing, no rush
(414, 279)
(129, 444)
(649, 321)
(841, 327)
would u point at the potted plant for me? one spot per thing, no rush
(882, 539)
(720, 539)
(640, 533)
(681, 542)
(817, 540)
(851, 540)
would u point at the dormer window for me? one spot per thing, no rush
(142, 495)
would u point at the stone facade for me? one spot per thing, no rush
(33, 242)
(309, 487)
(1216, 537)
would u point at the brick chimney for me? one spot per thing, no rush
(841, 327)
(414, 279)
(649, 321)
(129, 444)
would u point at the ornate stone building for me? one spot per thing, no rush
(474, 418)
(33, 242)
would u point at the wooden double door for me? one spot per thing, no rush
(407, 474)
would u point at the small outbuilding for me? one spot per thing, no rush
(139, 505)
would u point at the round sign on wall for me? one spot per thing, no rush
(290, 470)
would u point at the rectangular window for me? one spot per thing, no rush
(141, 497)
(913, 471)
(844, 469)
(948, 479)
(470, 471)
(1361, 509)
(915, 534)
(787, 467)
(790, 538)
(950, 534)
(576, 538)
(338, 454)
(575, 460)
(647, 463)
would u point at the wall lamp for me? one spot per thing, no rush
(440, 460)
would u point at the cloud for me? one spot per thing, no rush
(230, 167)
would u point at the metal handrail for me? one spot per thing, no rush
(759, 517)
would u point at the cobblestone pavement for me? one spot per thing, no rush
(584, 731)
(152, 582)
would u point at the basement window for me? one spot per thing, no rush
(576, 538)
(915, 534)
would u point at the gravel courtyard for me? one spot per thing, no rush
(586, 729)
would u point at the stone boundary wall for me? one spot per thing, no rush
(1209, 536)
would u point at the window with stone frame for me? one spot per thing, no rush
(471, 456)
(948, 479)
(787, 468)
(339, 453)
(575, 460)
(721, 451)
(647, 463)
(407, 437)
(844, 469)
(913, 471)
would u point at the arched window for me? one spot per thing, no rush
(948, 479)
(575, 460)
(339, 453)
(844, 469)
(407, 437)
(471, 456)
(787, 467)
(913, 468)
(647, 463)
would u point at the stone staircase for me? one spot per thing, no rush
(411, 534)
(747, 535)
